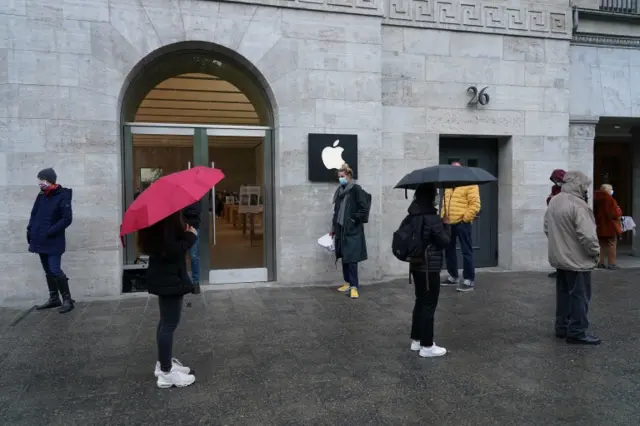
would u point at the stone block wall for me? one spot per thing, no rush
(425, 78)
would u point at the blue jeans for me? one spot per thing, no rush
(350, 274)
(461, 231)
(52, 264)
(194, 253)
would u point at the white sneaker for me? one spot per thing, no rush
(432, 351)
(175, 378)
(415, 345)
(175, 366)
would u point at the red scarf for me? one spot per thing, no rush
(49, 190)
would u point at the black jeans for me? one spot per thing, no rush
(462, 232)
(425, 307)
(573, 295)
(350, 274)
(170, 309)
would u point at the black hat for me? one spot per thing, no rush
(48, 174)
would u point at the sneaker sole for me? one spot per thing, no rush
(170, 385)
(432, 355)
(464, 290)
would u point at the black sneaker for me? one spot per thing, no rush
(613, 267)
(589, 339)
(602, 266)
(450, 281)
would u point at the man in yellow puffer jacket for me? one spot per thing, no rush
(461, 205)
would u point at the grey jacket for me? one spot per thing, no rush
(571, 227)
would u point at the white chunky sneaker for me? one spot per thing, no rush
(175, 378)
(415, 345)
(432, 351)
(175, 366)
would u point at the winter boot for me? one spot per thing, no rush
(67, 301)
(54, 299)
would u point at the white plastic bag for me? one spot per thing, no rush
(326, 242)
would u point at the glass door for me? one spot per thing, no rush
(152, 151)
(240, 235)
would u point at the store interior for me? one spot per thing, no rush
(236, 240)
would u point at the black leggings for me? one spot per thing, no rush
(170, 308)
(425, 307)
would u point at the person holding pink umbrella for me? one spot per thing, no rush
(164, 237)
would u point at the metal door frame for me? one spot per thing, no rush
(201, 133)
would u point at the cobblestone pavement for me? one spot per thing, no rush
(310, 356)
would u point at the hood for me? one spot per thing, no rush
(557, 175)
(417, 208)
(576, 183)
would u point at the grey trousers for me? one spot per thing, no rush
(573, 295)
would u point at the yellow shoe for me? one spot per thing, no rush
(344, 288)
(354, 293)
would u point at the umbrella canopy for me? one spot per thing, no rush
(168, 195)
(446, 176)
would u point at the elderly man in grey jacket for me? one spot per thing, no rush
(573, 250)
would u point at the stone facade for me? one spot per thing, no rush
(395, 72)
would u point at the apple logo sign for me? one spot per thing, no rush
(332, 156)
(328, 152)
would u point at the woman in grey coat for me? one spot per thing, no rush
(349, 212)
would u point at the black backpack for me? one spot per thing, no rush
(407, 244)
(367, 200)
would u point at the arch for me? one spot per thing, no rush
(196, 56)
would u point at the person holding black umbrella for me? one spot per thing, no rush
(461, 205)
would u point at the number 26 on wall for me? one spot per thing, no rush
(478, 97)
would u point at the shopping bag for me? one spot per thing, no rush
(326, 242)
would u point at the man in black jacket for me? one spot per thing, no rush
(191, 215)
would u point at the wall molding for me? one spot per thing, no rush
(481, 16)
(353, 7)
(605, 40)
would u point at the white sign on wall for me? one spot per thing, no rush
(250, 199)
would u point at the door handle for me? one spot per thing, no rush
(213, 200)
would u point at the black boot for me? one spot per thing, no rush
(67, 301)
(54, 299)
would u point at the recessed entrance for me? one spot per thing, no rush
(210, 113)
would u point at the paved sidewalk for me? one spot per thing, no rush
(310, 356)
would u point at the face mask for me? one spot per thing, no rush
(611, 192)
(43, 185)
(342, 180)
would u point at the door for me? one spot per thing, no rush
(481, 153)
(152, 152)
(240, 213)
(612, 165)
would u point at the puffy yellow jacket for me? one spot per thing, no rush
(462, 203)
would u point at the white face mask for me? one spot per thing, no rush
(611, 193)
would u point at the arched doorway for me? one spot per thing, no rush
(200, 104)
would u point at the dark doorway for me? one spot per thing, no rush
(481, 153)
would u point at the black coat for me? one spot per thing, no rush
(191, 215)
(167, 273)
(350, 243)
(51, 215)
(436, 236)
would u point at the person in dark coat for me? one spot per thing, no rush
(166, 243)
(349, 209)
(51, 215)
(191, 216)
(556, 177)
(436, 236)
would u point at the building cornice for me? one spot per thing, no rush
(605, 40)
(527, 18)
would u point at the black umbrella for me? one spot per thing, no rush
(446, 176)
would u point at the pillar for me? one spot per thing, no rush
(581, 136)
(635, 187)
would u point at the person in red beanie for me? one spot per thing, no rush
(556, 177)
